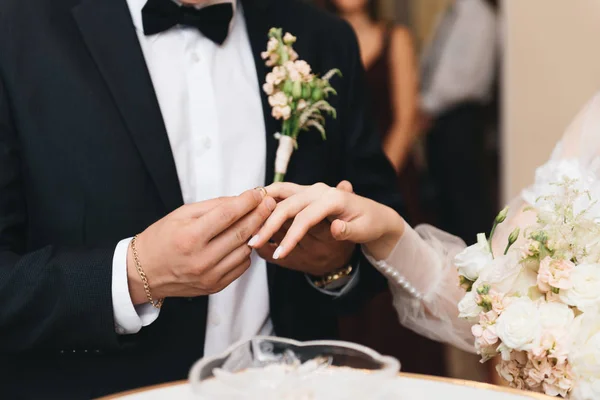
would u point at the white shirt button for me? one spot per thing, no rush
(207, 143)
(215, 320)
(120, 330)
(195, 58)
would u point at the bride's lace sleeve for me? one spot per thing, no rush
(425, 287)
(421, 271)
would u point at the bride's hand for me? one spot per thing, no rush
(353, 218)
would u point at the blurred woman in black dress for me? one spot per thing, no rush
(389, 59)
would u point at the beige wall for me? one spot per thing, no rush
(551, 67)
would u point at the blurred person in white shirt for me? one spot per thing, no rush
(459, 68)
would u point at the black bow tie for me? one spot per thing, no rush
(213, 21)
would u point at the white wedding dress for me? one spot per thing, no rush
(422, 276)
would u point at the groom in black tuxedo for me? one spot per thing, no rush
(113, 115)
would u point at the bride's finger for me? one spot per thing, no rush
(283, 190)
(306, 219)
(353, 231)
(285, 210)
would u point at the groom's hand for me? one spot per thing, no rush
(318, 253)
(198, 249)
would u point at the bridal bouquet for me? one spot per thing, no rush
(536, 304)
(297, 96)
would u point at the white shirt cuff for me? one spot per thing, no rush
(129, 319)
(344, 286)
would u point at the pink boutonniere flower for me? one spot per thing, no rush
(297, 96)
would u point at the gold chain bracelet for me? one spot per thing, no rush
(140, 270)
(332, 277)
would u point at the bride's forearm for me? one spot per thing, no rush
(393, 229)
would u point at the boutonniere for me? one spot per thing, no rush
(297, 96)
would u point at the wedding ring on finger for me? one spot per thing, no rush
(262, 190)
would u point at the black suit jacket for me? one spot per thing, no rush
(85, 161)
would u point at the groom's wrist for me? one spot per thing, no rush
(134, 282)
(339, 277)
(335, 279)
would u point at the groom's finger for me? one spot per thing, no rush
(196, 210)
(345, 186)
(229, 212)
(340, 230)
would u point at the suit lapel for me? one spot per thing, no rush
(109, 33)
(258, 16)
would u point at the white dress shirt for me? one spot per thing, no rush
(210, 102)
(459, 64)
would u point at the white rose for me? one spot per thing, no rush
(586, 390)
(555, 315)
(519, 325)
(472, 260)
(468, 308)
(584, 354)
(585, 292)
(525, 280)
(501, 273)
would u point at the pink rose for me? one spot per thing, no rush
(286, 112)
(276, 76)
(509, 370)
(268, 89)
(488, 318)
(281, 112)
(477, 330)
(302, 104)
(484, 336)
(554, 274)
(497, 301)
(278, 99)
(560, 382)
(273, 59)
(489, 336)
(292, 54)
(288, 38)
(303, 67)
(272, 45)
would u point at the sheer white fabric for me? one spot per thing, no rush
(421, 272)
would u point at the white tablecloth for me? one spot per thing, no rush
(412, 387)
